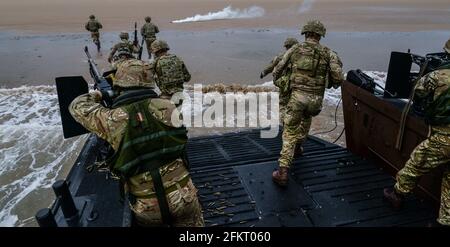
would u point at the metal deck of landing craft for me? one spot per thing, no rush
(329, 186)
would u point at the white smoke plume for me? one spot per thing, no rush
(306, 6)
(226, 13)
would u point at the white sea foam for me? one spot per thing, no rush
(226, 13)
(32, 150)
(306, 6)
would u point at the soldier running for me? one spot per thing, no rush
(314, 68)
(94, 26)
(148, 32)
(281, 82)
(169, 70)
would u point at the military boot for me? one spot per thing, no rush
(98, 46)
(394, 198)
(280, 176)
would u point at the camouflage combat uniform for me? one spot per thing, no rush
(314, 67)
(169, 71)
(123, 44)
(93, 26)
(137, 71)
(434, 151)
(148, 32)
(111, 124)
(283, 94)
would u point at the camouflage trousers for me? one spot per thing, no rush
(149, 42)
(95, 37)
(283, 101)
(300, 109)
(431, 153)
(183, 206)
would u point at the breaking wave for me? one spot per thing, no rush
(226, 13)
(33, 152)
(306, 6)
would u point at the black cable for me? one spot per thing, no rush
(339, 137)
(335, 120)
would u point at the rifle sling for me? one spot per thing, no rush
(161, 196)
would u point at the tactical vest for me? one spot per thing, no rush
(310, 66)
(438, 111)
(149, 30)
(147, 145)
(169, 72)
(93, 26)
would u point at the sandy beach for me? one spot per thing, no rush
(338, 15)
(44, 39)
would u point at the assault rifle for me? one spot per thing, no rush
(100, 83)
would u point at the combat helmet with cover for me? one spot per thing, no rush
(289, 42)
(92, 17)
(314, 26)
(124, 50)
(159, 45)
(124, 35)
(148, 19)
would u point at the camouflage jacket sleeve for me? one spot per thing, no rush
(87, 26)
(156, 29)
(108, 124)
(269, 68)
(279, 68)
(434, 83)
(336, 76)
(99, 25)
(113, 51)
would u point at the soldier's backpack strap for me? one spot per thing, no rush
(161, 196)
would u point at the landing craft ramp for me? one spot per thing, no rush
(329, 186)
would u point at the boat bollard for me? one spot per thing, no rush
(45, 218)
(68, 207)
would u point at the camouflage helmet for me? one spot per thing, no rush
(447, 46)
(148, 19)
(124, 51)
(124, 35)
(92, 17)
(314, 26)
(159, 45)
(290, 42)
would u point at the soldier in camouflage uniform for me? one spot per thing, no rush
(284, 95)
(113, 125)
(314, 68)
(148, 32)
(434, 90)
(124, 44)
(169, 70)
(94, 26)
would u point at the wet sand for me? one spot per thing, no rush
(339, 15)
(218, 56)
